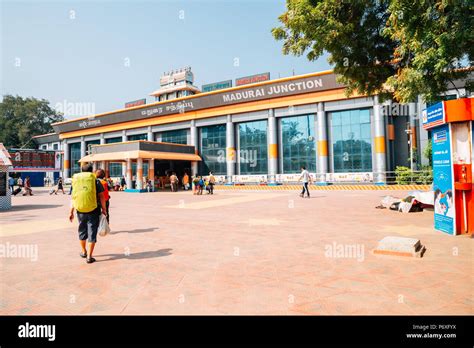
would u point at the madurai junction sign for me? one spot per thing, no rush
(277, 89)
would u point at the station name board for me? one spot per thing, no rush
(277, 89)
(252, 79)
(216, 86)
(135, 103)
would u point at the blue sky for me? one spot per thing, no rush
(77, 52)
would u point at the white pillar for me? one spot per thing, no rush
(272, 143)
(322, 145)
(379, 166)
(231, 157)
(194, 142)
(102, 139)
(128, 173)
(83, 147)
(413, 143)
(151, 173)
(124, 164)
(149, 134)
(139, 182)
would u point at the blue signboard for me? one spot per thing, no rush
(444, 211)
(433, 116)
(216, 86)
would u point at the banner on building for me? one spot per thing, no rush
(277, 89)
(29, 159)
(247, 179)
(350, 177)
(433, 116)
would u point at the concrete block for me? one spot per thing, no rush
(400, 246)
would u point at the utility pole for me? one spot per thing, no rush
(410, 139)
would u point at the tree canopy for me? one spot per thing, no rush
(23, 118)
(395, 48)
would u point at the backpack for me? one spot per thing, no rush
(84, 195)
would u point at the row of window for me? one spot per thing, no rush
(350, 135)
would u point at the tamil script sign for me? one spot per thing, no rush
(216, 86)
(268, 91)
(252, 79)
(135, 103)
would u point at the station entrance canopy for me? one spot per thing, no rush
(140, 149)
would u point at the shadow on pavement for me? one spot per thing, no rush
(137, 256)
(33, 206)
(138, 230)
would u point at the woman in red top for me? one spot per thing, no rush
(100, 174)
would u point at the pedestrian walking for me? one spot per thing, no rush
(174, 182)
(20, 182)
(27, 187)
(11, 184)
(212, 182)
(195, 184)
(59, 186)
(200, 185)
(123, 183)
(89, 202)
(100, 175)
(186, 181)
(306, 180)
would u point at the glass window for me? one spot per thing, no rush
(213, 150)
(336, 118)
(351, 141)
(364, 116)
(75, 156)
(179, 136)
(137, 137)
(113, 140)
(144, 169)
(115, 170)
(298, 143)
(253, 147)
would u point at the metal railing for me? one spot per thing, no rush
(400, 177)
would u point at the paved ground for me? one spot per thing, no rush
(232, 253)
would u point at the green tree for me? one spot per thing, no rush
(428, 153)
(396, 48)
(23, 118)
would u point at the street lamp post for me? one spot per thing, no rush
(410, 139)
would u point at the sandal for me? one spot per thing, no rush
(83, 255)
(90, 260)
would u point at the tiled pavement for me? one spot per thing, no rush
(232, 253)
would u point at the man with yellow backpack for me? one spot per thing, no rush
(89, 202)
